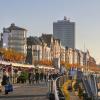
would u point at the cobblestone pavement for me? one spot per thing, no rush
(27, 92)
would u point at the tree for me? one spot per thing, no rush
(12, 55)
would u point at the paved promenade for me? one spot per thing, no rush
(27, 92)
(73, 96)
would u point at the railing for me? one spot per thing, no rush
(55, 90)
(87, 86)
(94, 85)
(55, 87)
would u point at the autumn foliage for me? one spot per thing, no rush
(12, 55)
(45, 62)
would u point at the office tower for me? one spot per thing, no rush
(65, 31)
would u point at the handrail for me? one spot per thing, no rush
(55, 87)
(88, 88)
(96, 87)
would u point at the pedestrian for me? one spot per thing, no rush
(45, 77)
(5, 80)
(29, 77)
(41, 76)
(37, 77)
(32, 78)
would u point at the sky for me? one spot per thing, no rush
(37, 16)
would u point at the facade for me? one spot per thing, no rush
(37, 51)
(70, 56)
(65, 31)
(46, 48)
(34, 50)
(75, 58)
(59, 48)
(47, 41)
(92, 62)
(1, 40)
(14, 38)
(46, 52)
(81, 58)
(56, 48)
(62, 53)
(78, 57)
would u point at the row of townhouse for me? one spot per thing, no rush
(46, 48)
(43, 49)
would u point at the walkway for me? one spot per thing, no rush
(27, 92)
(73, 96)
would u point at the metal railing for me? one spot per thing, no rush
(55, 87)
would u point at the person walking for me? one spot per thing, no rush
(37, 77)
(5, 81)
(29, 77)
(41, 76)
(32, 77)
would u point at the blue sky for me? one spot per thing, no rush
(37, 17)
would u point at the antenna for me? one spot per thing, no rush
(65, 18)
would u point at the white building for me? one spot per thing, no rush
(62, 53)
(46, 52)
(70, 54)
(14, 38)
(65, 31)
(56, 48)
(81, 58)
(75, 57)
(37, 52)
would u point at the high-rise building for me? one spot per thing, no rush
(14, 38)
(65, 31)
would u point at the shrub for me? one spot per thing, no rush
(24, 77)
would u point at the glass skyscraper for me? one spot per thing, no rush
(65, 31)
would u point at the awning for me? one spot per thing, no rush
(5, 63)
(23, 65)
(46, 67)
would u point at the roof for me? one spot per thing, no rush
(46, 38)
(13, 27)
(57, 40)
(33, 41)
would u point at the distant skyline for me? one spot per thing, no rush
(37, 16)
